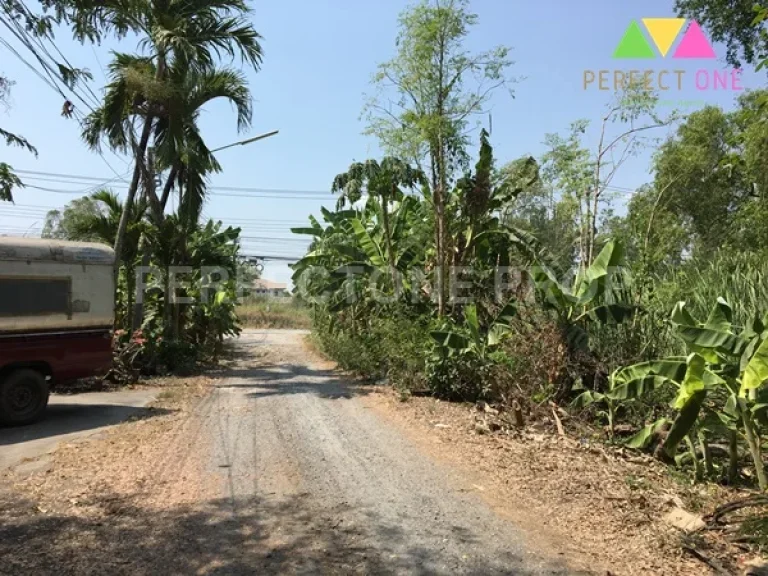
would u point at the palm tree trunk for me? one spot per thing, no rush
(167, 311)
(127, 208)
(168, 186)
(138, 308)
(130, 280)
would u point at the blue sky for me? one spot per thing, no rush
(318, 60)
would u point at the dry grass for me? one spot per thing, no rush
(274, 313)
(603, 504)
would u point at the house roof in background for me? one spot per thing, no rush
(265, 284)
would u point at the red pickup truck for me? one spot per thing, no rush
(56, 315)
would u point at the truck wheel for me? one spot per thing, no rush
(23, 397)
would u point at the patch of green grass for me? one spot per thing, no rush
(274, 313)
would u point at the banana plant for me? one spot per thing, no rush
(719, 383)
(345, 254)
(598, 294)
(472, 338)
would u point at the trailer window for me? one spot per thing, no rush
(35, 296)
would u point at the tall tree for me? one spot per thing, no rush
(547, 213)
(739, 24)
(586, 175)
(426, 97)
(174, 34)
(180, 147)
(715, 163)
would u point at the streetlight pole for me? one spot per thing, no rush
(248, 141)
(138, 308)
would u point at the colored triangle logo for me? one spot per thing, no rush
(633, 44)
(663, 31)
(694, 44)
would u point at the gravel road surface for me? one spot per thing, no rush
(333, 488)
(273, 464)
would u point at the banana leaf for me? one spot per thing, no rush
(693, 382)
(708, 339)
(681, 316)
(452, 340)
(592, 284)
(470, 315)
(587, 398)
(756, 371)
(635, 381)
(368, 244)
(309, 231)
(645, 435)
(721, 316)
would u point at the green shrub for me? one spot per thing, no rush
(467, 377)
(177, 356)
(385, 347)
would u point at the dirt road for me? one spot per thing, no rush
(69, 417)
(279, 468)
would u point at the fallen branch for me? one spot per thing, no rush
(711, 562)
(750, 501)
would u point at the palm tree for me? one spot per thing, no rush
(178, 142)
(174, 34)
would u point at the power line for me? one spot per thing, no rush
(611, 187)
(253, 193)
(272, 238)
(225, 188)
(23, 37)
(12, 209)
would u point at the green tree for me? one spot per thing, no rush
(541, 210)
(8, 178)
(180, 147)
(585, 176)
(652, 233)
(739, 24)
(426, 97)
(183, 35)
(31, 31)
(714, 167)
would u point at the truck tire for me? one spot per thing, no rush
(23, 397)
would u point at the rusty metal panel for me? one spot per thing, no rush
(45, 250)
(89, 301)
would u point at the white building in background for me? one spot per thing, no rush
(262, 287)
